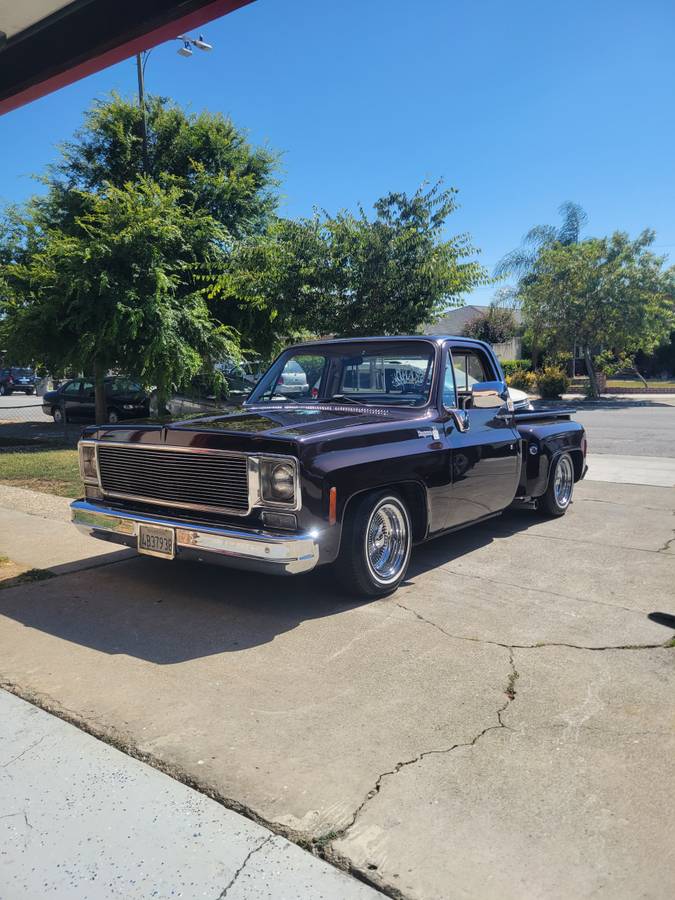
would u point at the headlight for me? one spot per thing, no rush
(277, 482)
(88, 463)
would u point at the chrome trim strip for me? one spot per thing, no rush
(134, 445)
(175, 504)
(255, 549)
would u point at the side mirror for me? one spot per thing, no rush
(489, 394)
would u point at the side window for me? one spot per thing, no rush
(449, 392)
(470, 367)
(72, 388)
(87, 387)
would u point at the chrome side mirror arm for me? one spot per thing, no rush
(460, 417)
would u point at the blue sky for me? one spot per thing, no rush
(519, 105)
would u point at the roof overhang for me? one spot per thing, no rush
(47, 44)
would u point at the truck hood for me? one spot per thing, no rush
(290, 422)
(256, 429)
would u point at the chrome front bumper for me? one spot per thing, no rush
(257, 551)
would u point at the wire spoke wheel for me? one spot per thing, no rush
(387, 542)
(563, 482)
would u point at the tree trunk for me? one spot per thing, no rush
(99, 394)
(592, 375)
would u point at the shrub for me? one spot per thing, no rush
(522, 381)
(495, 325)
(552, 381)
(511, 366)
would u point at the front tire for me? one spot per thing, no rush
(113, 416)
(5, 391)
(57, 412)
(376, 545)
(556, 501)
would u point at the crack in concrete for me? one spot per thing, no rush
(538, 646)
(510, 692)
(241, 868)
(23, 752)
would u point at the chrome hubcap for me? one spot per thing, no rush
(563, 482)
(387, 542)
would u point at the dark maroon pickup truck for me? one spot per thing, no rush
(346, 453)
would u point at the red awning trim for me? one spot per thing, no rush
(152, 38)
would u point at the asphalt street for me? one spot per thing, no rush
(636, 426)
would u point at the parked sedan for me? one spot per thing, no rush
(75, 400)
(15, 379)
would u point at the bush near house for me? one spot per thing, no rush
(522, 381)
(511, 366)
(552, 381)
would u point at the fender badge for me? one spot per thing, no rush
(429, 433)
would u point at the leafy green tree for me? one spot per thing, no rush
(602, 294)
(117, 289)
(205, 155)
(349, 274)
(496, 325)
(98, 271)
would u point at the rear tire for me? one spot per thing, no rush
(5, 391)
(558, 497)
(113, 416)
(376, 545)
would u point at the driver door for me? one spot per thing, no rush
(485, 458)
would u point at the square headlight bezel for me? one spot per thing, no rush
(259, 477)
(92, 475)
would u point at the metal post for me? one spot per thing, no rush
(141, 103)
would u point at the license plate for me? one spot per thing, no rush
(156, 540)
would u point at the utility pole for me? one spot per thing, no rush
(141, 103)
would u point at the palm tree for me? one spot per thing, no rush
(520, 261)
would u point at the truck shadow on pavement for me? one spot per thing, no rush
(167, 613)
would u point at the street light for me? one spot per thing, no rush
(141, 58)
(199, 43)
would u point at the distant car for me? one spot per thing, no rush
(16, 379)
(200, 396)
(292, 381)
(75, 400)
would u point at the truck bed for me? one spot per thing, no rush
(525, 417)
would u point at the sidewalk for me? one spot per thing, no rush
(79, 819)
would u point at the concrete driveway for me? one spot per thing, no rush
(504, 726)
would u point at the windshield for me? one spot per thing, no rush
(387, 374)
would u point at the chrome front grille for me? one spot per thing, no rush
(209, 480)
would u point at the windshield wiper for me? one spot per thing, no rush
(343, 398)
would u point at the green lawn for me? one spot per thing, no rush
(50, 471)
(636, 383)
